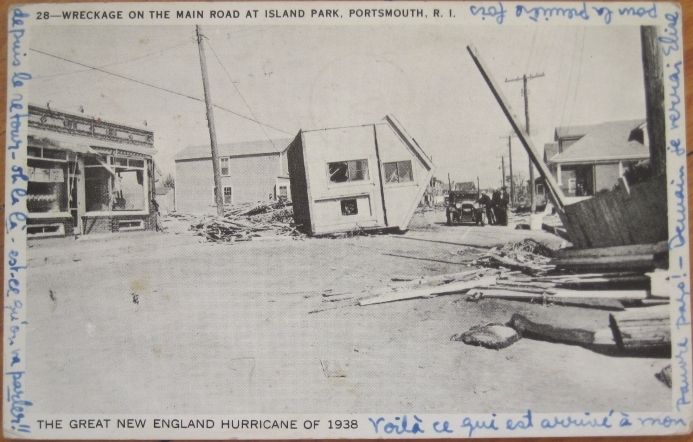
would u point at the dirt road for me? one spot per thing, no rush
(147, 322)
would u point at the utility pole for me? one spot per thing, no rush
(654, 98)
(524, 80)
(218, 194)
(478, 188)
(503, 171)
(512, 177)
(449, 182)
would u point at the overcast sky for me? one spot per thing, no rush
(308, 77)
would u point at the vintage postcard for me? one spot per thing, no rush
(367, 219)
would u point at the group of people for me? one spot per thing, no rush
(496, 206)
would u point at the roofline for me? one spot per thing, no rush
(260, 154)
(91, 117)
(602, 159)
(339, 127)
(410, 141)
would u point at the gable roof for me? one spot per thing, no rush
(572, 131)
(244, 148)
(613, 140)
(550, 150)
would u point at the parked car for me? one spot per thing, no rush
(463, 207)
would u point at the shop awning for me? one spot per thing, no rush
(81, 144)
(56, 141)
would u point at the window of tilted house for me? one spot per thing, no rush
(398, 172)
(345, 171)
(349, 207)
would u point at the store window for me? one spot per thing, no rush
(117, 185)
(346, 171)
(48, 180)
(398, 172)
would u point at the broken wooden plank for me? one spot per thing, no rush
(629, 262)
(599, 252)
(439, 279)
(638, 281)
(600, 339)
(588, 302)
(621, 295)
(546, 332)
(447, 289)
(582, 276)
(643, 328)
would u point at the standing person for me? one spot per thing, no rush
(485, 203)
(504, 202)
(495, 207)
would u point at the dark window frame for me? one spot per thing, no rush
(398, 175)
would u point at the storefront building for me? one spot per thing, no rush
(87, 175)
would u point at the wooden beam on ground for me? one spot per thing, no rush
(601, 252)
(629, 262)
(573, 301)
(645, 328)
(545, 332)
(421, 292)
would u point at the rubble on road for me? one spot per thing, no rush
(247, 221)
(493, 336)
(527, 256)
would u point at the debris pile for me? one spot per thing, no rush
(527, 256)
(247, 221)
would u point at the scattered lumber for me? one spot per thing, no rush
(496, 260)
(642, 329)
(421, 292)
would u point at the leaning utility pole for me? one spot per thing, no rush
(218, 192)
(524, 79)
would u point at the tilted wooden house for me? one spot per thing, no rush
(359, 177)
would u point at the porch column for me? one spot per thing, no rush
(81, 195)
(558, 175)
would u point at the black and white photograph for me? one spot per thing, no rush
(281, 220)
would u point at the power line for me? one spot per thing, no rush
(144, 83)
(129, 60)
(238, 91)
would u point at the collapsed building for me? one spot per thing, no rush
(87, 175)
(356, 178)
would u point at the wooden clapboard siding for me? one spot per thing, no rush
(620, 217)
